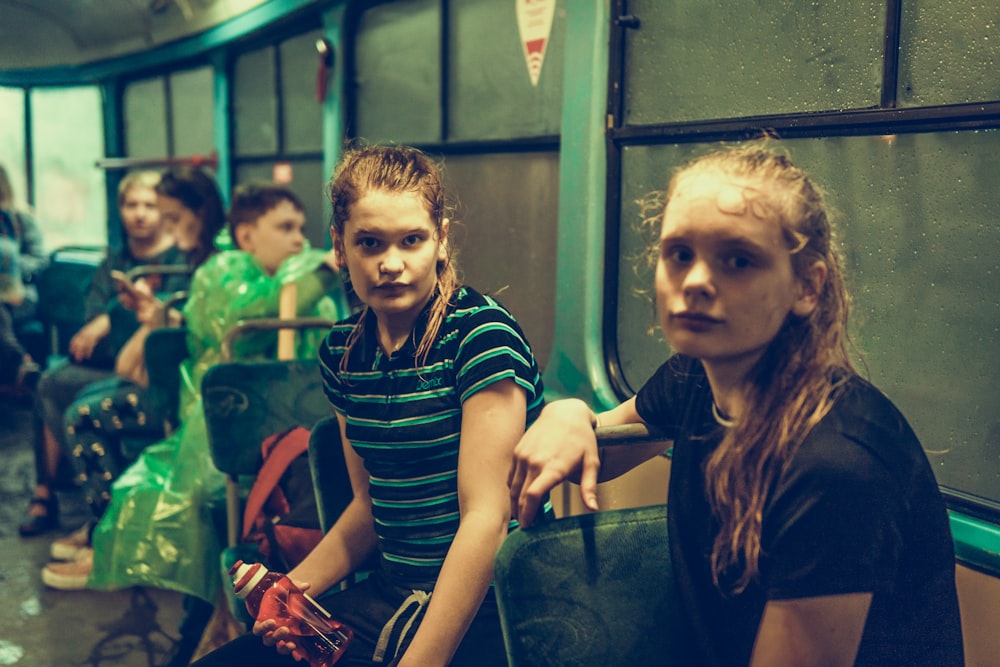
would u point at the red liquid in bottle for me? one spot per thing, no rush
(318, 637)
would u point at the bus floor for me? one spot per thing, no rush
(43, 627)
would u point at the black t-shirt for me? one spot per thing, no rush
(857, 510)
(102, 298)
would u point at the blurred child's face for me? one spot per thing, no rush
(391, 248)
(140, 216)
(724, 278)
(180, 222)
(276, 236)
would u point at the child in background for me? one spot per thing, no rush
(136, 542)
(130, 539)
(110, 421)
(94, 348)
(22, 260)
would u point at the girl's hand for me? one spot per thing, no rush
(274, 635)
(131, 294)
(560, 445)
(150, 311)
(82, 345)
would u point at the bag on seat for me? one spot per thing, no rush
(281, 517)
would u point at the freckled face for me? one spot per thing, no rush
(181, 222)
(724, 278)
(391, 248)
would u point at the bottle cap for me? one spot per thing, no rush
(246, 577)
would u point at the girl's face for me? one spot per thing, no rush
(724, 278)
(140, 215)
(391, 248)
(181, 222)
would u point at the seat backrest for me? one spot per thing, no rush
(245, 402)
(164, 351)
(329, 471)
(332, 484)
(62, 293)
(593, 589)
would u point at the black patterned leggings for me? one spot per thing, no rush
(109, 423)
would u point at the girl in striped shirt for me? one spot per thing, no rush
(433, 384)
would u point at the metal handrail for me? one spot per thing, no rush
(158, 269)
(269, 324)
(627, 434)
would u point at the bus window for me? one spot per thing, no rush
(916, 228)
(277, 119)
(504, 119)
(913, 189)
(496, 90)
(948, 52)
(397, 65)
(191, 117)
(12, 155)
(69, 191)
(144, 103)
(170, 115)
(509, 242)
(755, 58)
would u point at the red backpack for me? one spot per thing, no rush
(281, 517)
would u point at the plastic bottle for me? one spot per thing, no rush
(318, 637)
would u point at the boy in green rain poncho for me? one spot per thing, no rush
(157, 531)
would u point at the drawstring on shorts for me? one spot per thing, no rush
(420, 598)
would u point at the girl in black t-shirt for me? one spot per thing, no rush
(806, 525)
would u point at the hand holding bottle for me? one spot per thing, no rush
(298, 622)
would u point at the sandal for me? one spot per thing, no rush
(36, 524)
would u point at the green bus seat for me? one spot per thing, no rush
(164, 351)
(332, 483)
(329, 471)
(245, 402)
(593, 589)
(62, 294)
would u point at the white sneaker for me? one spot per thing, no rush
(71, 576)
(71, 547)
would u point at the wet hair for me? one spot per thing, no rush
(798, 377)
(198, 192)
(6, 190)
(395, 169)
(136, 179)
(253, 200)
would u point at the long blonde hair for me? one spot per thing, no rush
(395, 169)
(796, 381)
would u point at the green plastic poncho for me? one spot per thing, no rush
(158, 531)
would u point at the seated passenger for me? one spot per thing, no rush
(157, 529)
(22, 259)
(94, 347)
(432, 384)
(18, 369)
(111, 421)
(805, 523)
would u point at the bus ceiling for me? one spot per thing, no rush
(78, 33)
